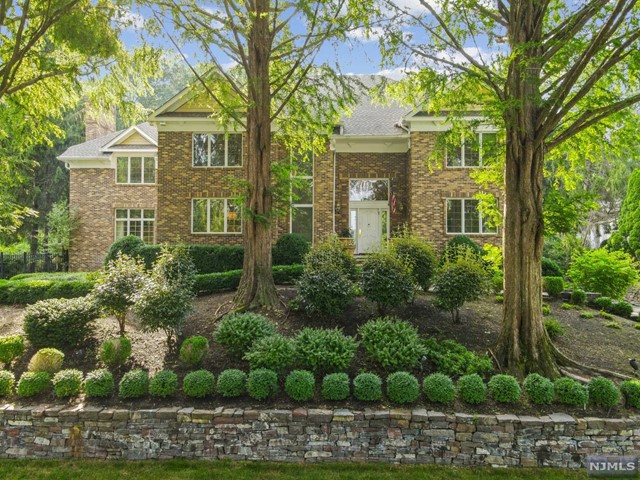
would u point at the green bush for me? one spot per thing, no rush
(367, 387)
(114, 352)
(386, 280)
(134, 384)
(335, 387)
(603, 392)
(274, 352)
(499, 299)
(586, 315)
(546, 310)
(603, 303)
(553, 327)
(46, 360)
(554, 286)
(198, 384)
(418, 255)
(566, 306)
(570, 392)
(451, 358)
(11, 347)
(163, 384)
(67, 383)
(391, 343)
(461, 243)
(325, 292)
(262, 383)
(206, 258)
(231, 383)
(471, 389)
(538, 390)
(550, 268)
(329, 255)
(193, 351)
(33, 383)
(402, 387)
(300, 385)
(504, 389)
(60, 323)
(30, 291)
(237, 331)
(622, 309)
(7, 383)
(578, 296)
(327, 350)
(605, 272)
(220, 282)
(99, 384)
(497, 282)
(631, 391)
(290, 249)
(129, 245)
(439, 388)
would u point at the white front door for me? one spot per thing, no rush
(369, 230)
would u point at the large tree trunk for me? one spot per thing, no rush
(256, 286)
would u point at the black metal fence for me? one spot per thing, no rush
(14, 264)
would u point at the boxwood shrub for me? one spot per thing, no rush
(46, 360)
(439, 388)
(33, 383)
(325, 292)
(193, 351)
(504, 389)
(335, 387)
(578, 296)
(198, 384)
(402, 387)
(300, 385)
(323, 349)
(553, 285)
(550, 268)
(387, 280)
(220, 282)
(262, 383)
(274, 352)
(236, 332)
(290, 249)
(163, 384)
(471, 389)
(418, 255)
(538, 389)
(99, 384)
(134, 384)
(231, 383)
(570, 392)
(603, 392)
(11, 347)
(392, 343)
(67, 383)
(367, 387)
(114, 352)
(31, 291)
(7, 383)
(622, 308)
(631, 391)
(603, 303)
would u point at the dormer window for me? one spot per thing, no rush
(132, 170)
(217, 150)
(472, 151)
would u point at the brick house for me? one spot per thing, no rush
(172, 179)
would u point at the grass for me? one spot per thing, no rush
(190, 469)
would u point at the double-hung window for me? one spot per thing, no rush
(463, 216)
(302, 196)
(217, 150)
(472, 150)
(135, 221)
(135, 170)
(215, 215)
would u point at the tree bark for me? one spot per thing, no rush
(257, 288)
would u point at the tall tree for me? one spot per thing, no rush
(276, 84)
(551, 74)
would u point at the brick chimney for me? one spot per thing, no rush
(98, 123)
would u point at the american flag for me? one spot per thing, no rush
(393, 202)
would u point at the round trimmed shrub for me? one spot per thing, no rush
(262, 383)
(46, 360)
(386, 280)
(237, 331)
(631, 391)
(198, 384)
(11, 347)
(290, 249)
(550, 268)
(402, 387)
(300, 385)
(324, 349)
(7, 383)
(622, 308)
(274, 352)
(325, 291)
(439, 388)
(367, 387)
(418, 255)
(99, 384)
(193, 351)
(330, 255)
(114, 352)
(163, 384)
(129, 245)
(538, 389)
(603, 392)
(460, 243)
(67, 383)
(504, 389)
(471, 389)
(134, 384)
(335, 387)
(554, 286)
(570, 392)
(33, 383)
(578, 296)
(391, 343)
(231, 383)
(603, 303)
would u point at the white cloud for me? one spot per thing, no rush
(366, 35)
(397, 73)
(132, 20)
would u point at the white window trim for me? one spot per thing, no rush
(225, 211)
(463, 154)
(388, 180)
(303, 205)
(142, 182)
(463, 232)
(226, 150)
(129, 220)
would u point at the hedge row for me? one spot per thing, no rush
(218, 282)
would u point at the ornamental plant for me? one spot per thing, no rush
(134, 384)
(439, 388)
(367, 387)
(325, 291)
(578, 296)
(570, 392)
(605, 272)
(418, 255)
(193, 351)
(554, 286)
(33, 383)
(504, 389)
(198, 384)
(471, 389)
(387, 280)
(452, 358)
(163, 384)
(290, 249)
(274, 352)
(329, 255)
(238, 331)
(67, 383)
(603, 392)
(402, 387)
(324, 349)
(631, 391)
(262, 383)
(300, 385)
(335, 387)
(538, 389)
(114, 352)
(231, 383)
(11, 347)
(7, 383)
(46, 360)
(391, 343)
(99, 384)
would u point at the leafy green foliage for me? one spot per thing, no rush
(367, 387)
(325, 292)
(28, 291)
(554, 327)
(418, 255)
(554, 286)
(329, 255)
(603, 303)
(471, 389)
(300, 385)
(231, 383)
(60, 323)
(629, 219)
(114, 352)
(67, 383)
(163, 384)
(452, 358)
(504, 389)
(387, 280)
(220, 282)
(609, 273)
(460, 244)
(603, 392)
(128, 245)
(550, 268)
(205, 258)
(7, 383)
(391, 343)
(262, 383)
(622, 309)
(11, 347)
(274, 352)
(324, 350)
(193, 351)
(586, 315)
(402, 387)
(439, 388)
(61, 223)
(238, 331)
(46, 360)
(198, 384)
(290, 249)
(605, 315)
(33, 383)
(99, 384)
(631, 391)
(538, 389)
(578, 296)
(546, 310)
(134, 384)
(335, 387)
(570, 392)
(499, 299)
(613, 324)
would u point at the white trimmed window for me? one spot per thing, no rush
(136, 221)
(135, 170)
(215, 215)
(463, 216)
(217, 150)
(470, 153)
(302, 196)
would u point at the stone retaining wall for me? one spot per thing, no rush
(312, 435)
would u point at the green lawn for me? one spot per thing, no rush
(156, 470)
